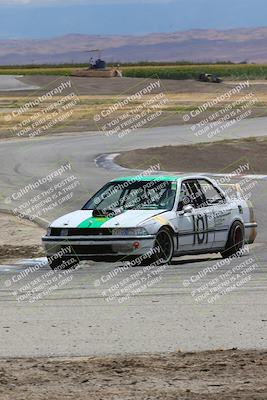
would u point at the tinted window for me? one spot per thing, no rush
(211, 193)
(140, 195)
(190, 194)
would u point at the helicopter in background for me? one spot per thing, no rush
(97, 68)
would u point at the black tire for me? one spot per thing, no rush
(163, 248)
(63, 263)
(235, 241)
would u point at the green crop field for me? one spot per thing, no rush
(233, 71)
(171, 71)
(42, 70)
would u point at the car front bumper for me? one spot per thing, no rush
(93, 247)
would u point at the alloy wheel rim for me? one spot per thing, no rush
(238, 238)
(165, 246)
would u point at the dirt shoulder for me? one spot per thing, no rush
(220, 157)
(220, 375)
(19, 238)
(95, 97)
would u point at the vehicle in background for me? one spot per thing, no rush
(209, 78)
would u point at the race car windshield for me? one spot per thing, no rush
(127, 195)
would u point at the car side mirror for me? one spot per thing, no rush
(188, 209)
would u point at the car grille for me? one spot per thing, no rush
(81, 232)
(83, 250)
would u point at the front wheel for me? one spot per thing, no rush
(235, 240)
(163, 249)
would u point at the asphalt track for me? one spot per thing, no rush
(77, 319)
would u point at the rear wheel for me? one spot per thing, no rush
(235, 240)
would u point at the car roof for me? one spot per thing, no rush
(167, 178)
(140, 178)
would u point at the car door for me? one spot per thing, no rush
(222, 211)
(196, 222)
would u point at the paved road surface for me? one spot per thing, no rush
(77, 319)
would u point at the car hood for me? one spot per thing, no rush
(84, 219)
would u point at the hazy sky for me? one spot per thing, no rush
(47, 18)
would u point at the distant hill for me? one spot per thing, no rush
(195, 45)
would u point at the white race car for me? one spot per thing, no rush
(155, 218)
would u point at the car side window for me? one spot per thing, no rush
(197, 195)
(210, 193)
(190, 194)
(184, 198)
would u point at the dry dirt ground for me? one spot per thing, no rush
(217, 375)
(193, 158)
(19, 238)
(98, 94)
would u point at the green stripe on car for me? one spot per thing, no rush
(93, 222)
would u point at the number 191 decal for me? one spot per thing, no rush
(201, 234)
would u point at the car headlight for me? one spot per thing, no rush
(129, 232)
(48, 232)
